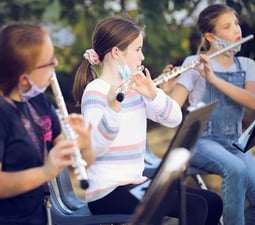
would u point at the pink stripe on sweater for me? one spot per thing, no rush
(93, 193)
(127, 147)
(170, 112)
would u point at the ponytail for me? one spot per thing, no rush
(84, 74)
(203, 46)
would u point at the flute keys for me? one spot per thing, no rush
(140, 68)
(121, 91)
(165, 79)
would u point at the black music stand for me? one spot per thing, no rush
(151, 209)
(247, 140)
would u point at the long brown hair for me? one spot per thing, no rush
(20, 46)
(207, 20)
(111, 32)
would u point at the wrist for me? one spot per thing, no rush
(153, 94)
(47, 173)
(213, 80)
(115, 106)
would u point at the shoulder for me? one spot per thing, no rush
(8, 114)
(248, 65)
(95, 93)
(245, 61)
(5, 108)
(98, 85)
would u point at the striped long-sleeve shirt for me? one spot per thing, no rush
(119, 138)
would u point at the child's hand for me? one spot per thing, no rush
(84, 142)
(144, 84)
(204, 68)
(59, 157)
(170, 83)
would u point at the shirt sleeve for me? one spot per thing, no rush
(164, 110)
(188, 78)
(106, 122)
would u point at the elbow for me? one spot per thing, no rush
(251, 106)
(179, 118)
(176, 115)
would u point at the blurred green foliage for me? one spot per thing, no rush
(169, 39)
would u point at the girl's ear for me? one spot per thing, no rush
(23, 79)
(209, 37)
(115, 52)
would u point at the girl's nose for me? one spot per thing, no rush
(55, 62)
(142, 56)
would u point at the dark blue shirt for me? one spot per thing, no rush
(19, 152)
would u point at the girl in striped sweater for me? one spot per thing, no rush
(119, 127)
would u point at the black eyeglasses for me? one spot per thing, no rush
(53, 63)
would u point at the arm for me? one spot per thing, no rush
(101, 110)
(180, 94)
(19, 182)
(175, 89)
(159, 107)
(164, 110)
(245, 97)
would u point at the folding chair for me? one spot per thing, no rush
(196, 173)
(68, 209)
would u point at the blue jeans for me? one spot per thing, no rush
(238, 172)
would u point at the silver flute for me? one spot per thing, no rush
(79, 164)
(178, 70)
(121, 91)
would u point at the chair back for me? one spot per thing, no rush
(66, 190)
(68, 209)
